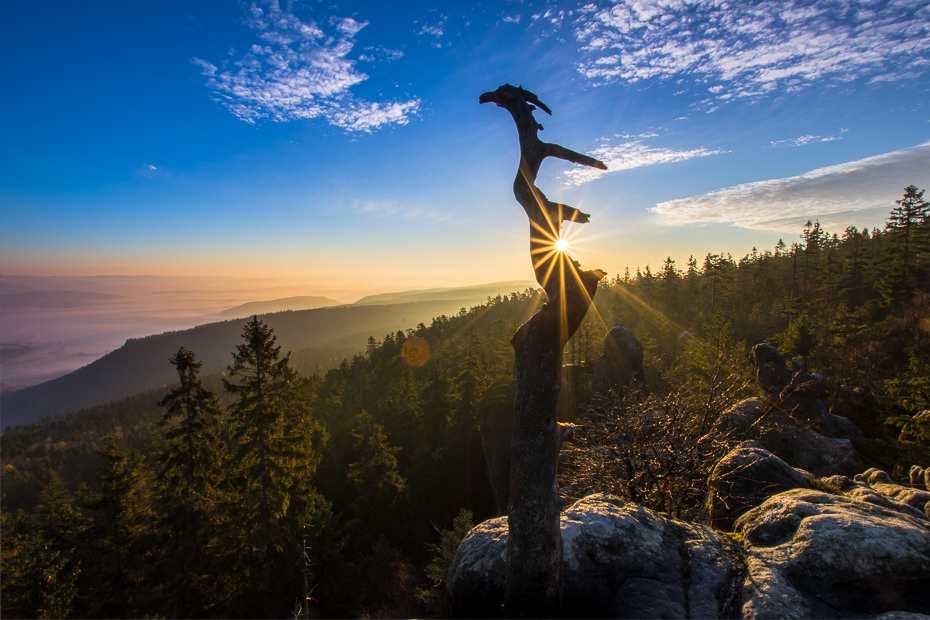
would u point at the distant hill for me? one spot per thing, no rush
(53, 299)
(472, 294)
(308, 302)
(142, 363)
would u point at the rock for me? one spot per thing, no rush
(800, 447)
(817, 555)
(917, 476)
(845, 426)
(798, 393)
(621, 365)
(620, 560)
(495, 421)
(772, 372)
(475, 583)
(744, 478)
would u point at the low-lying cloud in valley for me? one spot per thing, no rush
(860, 187)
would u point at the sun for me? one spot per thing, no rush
(561, 245)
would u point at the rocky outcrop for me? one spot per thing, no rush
(620, 368)
(769, 423)
(803, 554)
(746, 477)
(817, 555)
(882, 482)
(799, 393)
(620, 560)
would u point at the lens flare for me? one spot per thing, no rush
(561, 245)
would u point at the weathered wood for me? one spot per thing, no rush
(545, 216)
(534, 549)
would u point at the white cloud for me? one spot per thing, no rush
(749, 49)
(300, 71)
(512, 19)
(857, 187)
(631, 154)
(434, 30)
(374, 54)
(802, 140)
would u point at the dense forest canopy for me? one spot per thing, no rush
(192, 501)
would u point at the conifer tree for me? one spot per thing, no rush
(273, 458)
(123, 534)
(907, 223)
(190, 474)
(191, 458)
(380, 491)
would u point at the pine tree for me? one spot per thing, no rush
(191, 458)
(907, 223)
(191, 552)
(273, 461)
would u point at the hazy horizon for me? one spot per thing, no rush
(49, 337)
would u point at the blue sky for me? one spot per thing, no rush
(342, 142)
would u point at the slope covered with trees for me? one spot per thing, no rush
(192, 500)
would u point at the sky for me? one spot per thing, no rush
(341, 144)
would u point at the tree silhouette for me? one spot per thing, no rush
(534, 549)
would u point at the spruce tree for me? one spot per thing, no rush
(191, 458)
(270, 470)
(190, 474)
(908, 223)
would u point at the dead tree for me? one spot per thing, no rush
(534, 548)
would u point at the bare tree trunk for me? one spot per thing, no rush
(534, 549)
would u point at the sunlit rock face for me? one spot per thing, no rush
(817, 555)
(877, 481)
(620, 560)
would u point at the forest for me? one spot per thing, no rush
(198, 500)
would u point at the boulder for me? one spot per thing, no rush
(818, 555)
(772, 372)
(744, 478)
(769, 423)
(475, 582)
(620, 560)
(621, 365)
(918, 476)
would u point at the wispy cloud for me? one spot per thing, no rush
(633, 153)
(435, 31)
(778, 204)
(802, 140)
(299, 70)
(748, 49)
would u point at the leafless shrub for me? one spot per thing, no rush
(651, 449)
